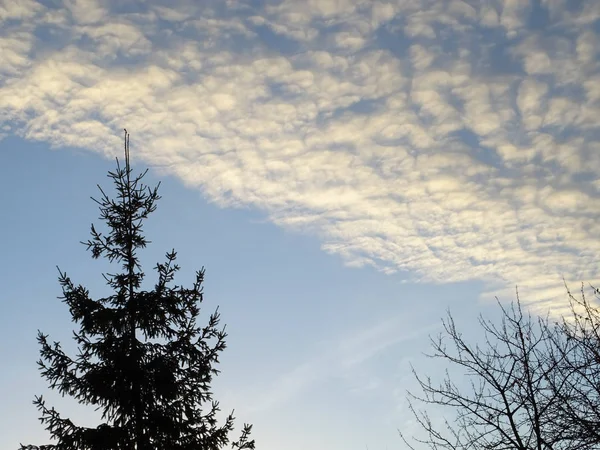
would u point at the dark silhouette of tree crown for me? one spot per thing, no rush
(142, 360)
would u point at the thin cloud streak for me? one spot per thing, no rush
(345, 358)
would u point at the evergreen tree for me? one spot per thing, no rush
(142, 359)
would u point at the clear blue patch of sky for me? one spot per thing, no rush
(391, 38)
(576, 93)
(539, 17)
(366, 106)
(585, 177)
(277, 43)
(574, 6)
(51, 38)
(482, 154)
(491, 54)
(363, 107)
(54, 4)
(281, 90)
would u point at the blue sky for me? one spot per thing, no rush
(346, 170)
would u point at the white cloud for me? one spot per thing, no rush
(115, 37)
(587, 47)
(513, 16)
(349, 40)
(15, 53)
(86, 11)
(489, 15)
(530, 100)
(409, 158)
(19, 9)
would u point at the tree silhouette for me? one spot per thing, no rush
(512, 400)
(142, 359)
(576, 354)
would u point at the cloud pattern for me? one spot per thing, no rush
(445, 140)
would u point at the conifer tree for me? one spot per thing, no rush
(142, 358)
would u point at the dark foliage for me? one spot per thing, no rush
(142, 360)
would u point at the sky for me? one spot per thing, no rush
(346, 171)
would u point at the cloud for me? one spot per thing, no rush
(445, 140)
(19, 10)
(347, 359)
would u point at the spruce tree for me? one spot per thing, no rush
(142, 359)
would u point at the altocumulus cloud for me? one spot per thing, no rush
(449, 140)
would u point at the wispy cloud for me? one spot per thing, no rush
(452, 140)
(348, 358)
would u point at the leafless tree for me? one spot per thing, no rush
(576, 380)
(509, 395)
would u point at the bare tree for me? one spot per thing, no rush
(576, 382)
(510, 400)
